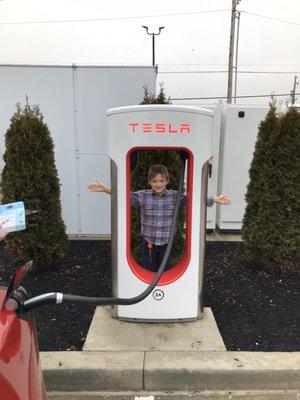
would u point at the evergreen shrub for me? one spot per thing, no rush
(272, 216)
(30, 175)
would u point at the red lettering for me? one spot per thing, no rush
(171, 129)
(160, 128)
(146, 128)
(133, 126)
(185, 128)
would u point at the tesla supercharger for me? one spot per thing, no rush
(179, 293)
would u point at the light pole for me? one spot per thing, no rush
(234, 15)
(293, 92)
(238, 17)
(153, 40)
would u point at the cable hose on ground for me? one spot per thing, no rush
(69, 298)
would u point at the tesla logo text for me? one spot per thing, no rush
(159, 128)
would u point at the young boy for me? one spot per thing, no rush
(157, 206)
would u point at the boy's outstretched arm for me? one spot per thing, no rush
(99, 187)
(222, 199)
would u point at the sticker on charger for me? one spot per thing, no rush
(12, 217)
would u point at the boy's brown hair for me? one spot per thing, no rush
(158, 169)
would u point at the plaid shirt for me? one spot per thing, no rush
(157, 213)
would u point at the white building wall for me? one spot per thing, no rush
(74, 101)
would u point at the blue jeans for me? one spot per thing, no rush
(152, 258)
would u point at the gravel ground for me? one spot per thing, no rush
(254, 310)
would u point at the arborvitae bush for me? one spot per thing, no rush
(30, 175)
(272, 217)
(171, 160)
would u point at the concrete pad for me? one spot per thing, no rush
(109, 334)
(79, 371)
(221, 370)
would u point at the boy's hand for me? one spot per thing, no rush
(2, 235)
(99, 187)
(223, 200)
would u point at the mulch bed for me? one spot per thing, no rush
(254, 310)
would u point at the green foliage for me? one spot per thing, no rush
(30, 175)
(272, 217)
(147, 158)
(151, 98)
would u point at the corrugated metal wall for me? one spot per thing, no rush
(74, 101)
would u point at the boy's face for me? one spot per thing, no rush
(158, 183)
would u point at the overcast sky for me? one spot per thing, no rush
(192, 40)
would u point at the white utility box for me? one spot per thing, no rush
(239, 129)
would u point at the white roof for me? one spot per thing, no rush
(159, 107)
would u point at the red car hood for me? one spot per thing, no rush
(20, 372)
